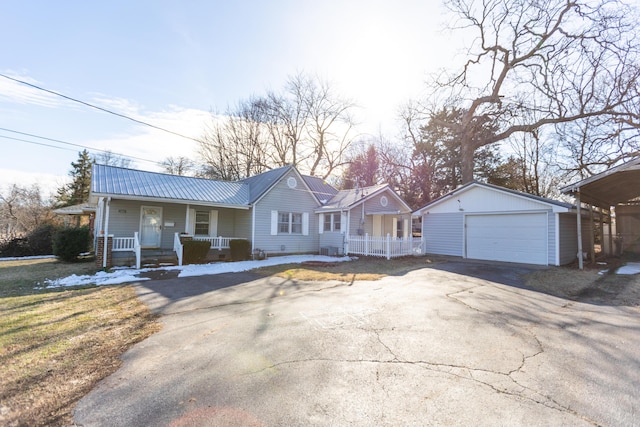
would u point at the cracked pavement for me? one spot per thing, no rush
(433, 347)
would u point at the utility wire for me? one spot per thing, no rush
(98, 108)
(67, 143)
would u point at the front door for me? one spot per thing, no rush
(378, 230)
(151, 227)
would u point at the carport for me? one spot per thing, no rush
(615, 192)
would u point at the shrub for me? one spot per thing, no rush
(240, 249)
(69, 243)
(195, 251)
(38, 242)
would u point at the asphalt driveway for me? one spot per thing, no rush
(463, 344)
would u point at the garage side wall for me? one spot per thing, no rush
(443, 233)
(569, 237)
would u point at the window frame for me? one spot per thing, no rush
(291, 225)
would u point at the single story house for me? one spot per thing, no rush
(279, 211)
(488, 222)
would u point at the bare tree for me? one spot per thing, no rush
(110, 158)
(538, 63)
(307, 125)
(178, 165)
(22, 210)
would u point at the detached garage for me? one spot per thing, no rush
(487, 222)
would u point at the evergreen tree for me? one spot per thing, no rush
(77, 191)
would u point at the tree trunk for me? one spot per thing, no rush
(466, 160)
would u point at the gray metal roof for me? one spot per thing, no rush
(259, 184)
(320, 188)
(346, 198)
(116, 181)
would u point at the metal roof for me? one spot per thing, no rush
(319, 187)
(130, 183)
(616, 185)
(350, 198)
(259, 184)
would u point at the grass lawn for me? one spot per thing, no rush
(56, 344)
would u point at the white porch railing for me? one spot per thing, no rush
(128, 244)
(218, 242)
(388, 247)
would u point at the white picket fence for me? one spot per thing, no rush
(387, 247)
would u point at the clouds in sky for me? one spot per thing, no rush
(170, 63)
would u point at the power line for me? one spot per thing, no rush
(97, 107)
(67, 143)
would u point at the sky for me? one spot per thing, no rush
(172, 63)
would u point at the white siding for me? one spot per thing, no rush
(480, 199)
(443, 233)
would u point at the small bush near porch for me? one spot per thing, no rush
(195, 251)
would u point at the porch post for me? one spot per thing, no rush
(592, 235)
(611, 251)
(105, 241)
(579, 222)
(187, 220)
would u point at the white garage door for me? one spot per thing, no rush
(510, 237)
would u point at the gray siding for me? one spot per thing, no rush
(551, 238)
(124, 219)
(284, 199)
(373, 205)
(443, 233)
(332, 239)
(242, 225)
(569, 237)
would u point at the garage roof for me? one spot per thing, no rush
(619, 184)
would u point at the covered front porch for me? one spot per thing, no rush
(143, 232)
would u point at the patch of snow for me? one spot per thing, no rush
(120, 275)
(629, 268)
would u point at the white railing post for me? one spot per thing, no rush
(219, 243)
(388, 246)
(178, 247)
(366, 244)
(136, 249)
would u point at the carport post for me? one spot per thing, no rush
(579, 221)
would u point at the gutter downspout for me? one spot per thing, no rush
(105, 241)
(253, 228)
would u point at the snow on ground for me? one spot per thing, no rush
(629, 268)
(125, 275)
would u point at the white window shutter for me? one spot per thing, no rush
(343, 223)
(305, 223)
(191, 227)
(321, 223)
(274, 223)
(213, 223)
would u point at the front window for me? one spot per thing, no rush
(336, 222)
(289, 223)
(327, 222)
(283, 222)
(202, 223)
(296, 223)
